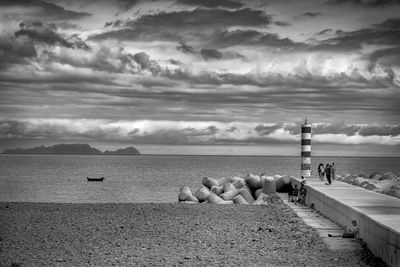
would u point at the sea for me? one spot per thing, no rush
(146, 178)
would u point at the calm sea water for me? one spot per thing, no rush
(145, 178)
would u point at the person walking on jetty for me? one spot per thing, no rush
(328, 172)
(333, 168)
(321, 171)
(295, 194)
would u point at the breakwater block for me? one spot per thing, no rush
(186, 194)
(217, 189)
(385, 183)
(268, 185)
(202, 194)
(234, 190)
(239, 200)
(281, 182)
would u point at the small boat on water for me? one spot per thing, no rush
(95, 179)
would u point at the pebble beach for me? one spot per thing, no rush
(54, 234)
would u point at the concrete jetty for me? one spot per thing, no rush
(378, 215)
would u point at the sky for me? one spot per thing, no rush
(227, 77)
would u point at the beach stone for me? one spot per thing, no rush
(186, 194)
(202, 193)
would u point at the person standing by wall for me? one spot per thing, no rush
(333, 171)
(321, 171)
(303, 194)
(328, 172)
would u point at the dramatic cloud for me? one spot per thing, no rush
(172, 25)
(185, 48)
(14, 51)
(386, 33)
(212, 3)
(365, 2)
(311, 14)
(41, 9)
(48, 35)
(210, 54)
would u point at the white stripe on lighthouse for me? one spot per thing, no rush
(306, 136)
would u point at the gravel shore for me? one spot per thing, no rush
(33, 234)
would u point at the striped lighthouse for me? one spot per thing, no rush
(306, 149)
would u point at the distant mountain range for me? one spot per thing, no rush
(71, 149)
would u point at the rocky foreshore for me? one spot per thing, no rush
(49, 234)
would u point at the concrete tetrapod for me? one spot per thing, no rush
(239, 200)
(282, 181)
(388, 176)
(268, 185)
(257, 193)
(357, 181)
(246, 194)
(217, 189)
(209, 182)
(228, 187)
(214, 199)
(240, 182)
(202, 194)
(185, 194)
(260, 199)
(393, 193)
(253, 181)
(229, 195)
(373, 187)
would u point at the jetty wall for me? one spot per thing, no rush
(378, 215)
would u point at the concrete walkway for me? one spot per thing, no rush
(382, 208)
(378, 215)
(323, 226)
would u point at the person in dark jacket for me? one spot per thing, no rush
(328, 172)
(303, 194)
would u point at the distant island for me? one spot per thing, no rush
(71, 149)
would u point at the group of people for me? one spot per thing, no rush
(298, 195)
(328, 170)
